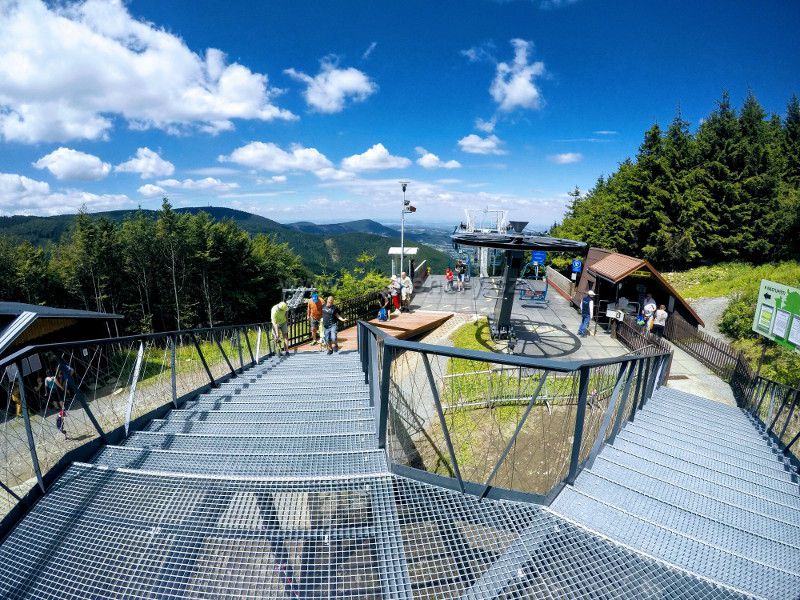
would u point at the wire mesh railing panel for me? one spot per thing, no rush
(602, 384)
(18, 475)
(498, 425)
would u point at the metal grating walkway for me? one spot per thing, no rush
(695, 483)
(239, 495)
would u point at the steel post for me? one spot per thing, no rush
(580, 416)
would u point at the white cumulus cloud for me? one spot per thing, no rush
(208, 183)
(428, 160)
(148, 190)
(475, 144)
(148, 164)
(66, 163)
(566, 158)
(266, 156)
(67, 69)
(375, 159)
(20, 195)
(330, 89)
(513, 86)
(485, 126)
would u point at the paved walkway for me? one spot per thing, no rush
(544, 331)
(690, 375)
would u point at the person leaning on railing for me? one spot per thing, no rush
(279, 315)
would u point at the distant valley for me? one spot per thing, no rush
(324, 248)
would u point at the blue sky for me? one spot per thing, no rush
(314, 110)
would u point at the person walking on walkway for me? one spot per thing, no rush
(407, 290)
(314, 315)
(660, 320)
(461, 273)
(279, 315)
(330, 324)
(448, 277)
(394, 288)
(587, 309)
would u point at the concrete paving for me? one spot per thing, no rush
(690, 375)
(544, 331)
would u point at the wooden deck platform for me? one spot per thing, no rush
(413, 324)
(403, 326)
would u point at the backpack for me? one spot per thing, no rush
(383, 315)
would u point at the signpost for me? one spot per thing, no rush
(777, 315)
(577, 267)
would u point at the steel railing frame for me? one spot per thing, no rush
(377, 351)
(170, 341)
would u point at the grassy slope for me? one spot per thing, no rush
(731, 278)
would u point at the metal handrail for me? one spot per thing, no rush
(377, 352)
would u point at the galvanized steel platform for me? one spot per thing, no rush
(274, 487)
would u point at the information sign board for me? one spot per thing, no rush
(538, 257)
(577, 265)
(778, 314)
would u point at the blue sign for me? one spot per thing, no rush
(577, 265)
(539, 256)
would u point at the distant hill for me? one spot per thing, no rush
(325, 248)
(361, 226)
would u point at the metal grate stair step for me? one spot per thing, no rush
(760, 504)
(645, 439)
(738, 516)
(294, 443)
(677, 548)
(252, 464)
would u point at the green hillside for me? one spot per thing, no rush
(323, 248)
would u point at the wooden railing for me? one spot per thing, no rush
(716, 354)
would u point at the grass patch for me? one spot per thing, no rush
(730, 278)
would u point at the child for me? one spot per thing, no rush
(62, 414)
(448, 276)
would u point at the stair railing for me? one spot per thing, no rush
(62, 402)
(478, 422)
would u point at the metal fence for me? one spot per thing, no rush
(775, 405)
(61, 402)
(498, 425)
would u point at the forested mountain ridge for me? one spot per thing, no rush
(322, 248)
(728, 191)
(180, 269)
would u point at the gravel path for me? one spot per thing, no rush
(710, 310)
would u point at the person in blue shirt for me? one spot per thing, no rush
(587, 308)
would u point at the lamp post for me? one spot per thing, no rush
(404, 185)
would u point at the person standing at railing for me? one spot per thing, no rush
(279, 315)
(587, 309)
(660, 320)
(314, 315)
(394, 288)
(330, 324)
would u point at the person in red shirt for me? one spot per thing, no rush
(448, 276)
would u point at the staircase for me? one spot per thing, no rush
(273, 486)
(697, 484)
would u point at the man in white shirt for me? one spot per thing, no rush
(407, 290)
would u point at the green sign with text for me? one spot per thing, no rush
(778, 314)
